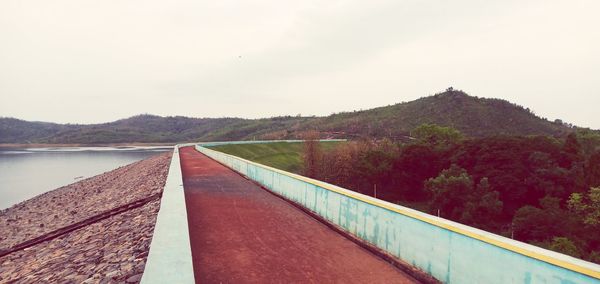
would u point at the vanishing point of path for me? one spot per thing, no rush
(241, 233)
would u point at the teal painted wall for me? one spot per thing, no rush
(448, 256)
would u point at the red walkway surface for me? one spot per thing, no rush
(241, 233)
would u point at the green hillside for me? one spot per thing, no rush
(283, 155)
(475, 117)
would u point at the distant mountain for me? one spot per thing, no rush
(475, 117)
(14, 130)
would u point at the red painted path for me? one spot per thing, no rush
(241, 233)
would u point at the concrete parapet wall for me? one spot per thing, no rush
(449, 251)
(170, 256)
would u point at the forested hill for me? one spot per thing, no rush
(475, 117)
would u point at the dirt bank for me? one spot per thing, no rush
(110, 250)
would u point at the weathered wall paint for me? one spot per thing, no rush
(450, 252)
(170, 256)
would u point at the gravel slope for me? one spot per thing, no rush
(111, 250)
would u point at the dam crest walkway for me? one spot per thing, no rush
(239, 232)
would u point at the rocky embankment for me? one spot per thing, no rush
(113, 249)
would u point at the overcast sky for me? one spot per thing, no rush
(86, 61)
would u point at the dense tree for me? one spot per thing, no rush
(589, 141)
(338, 165)
(374, 165)
(437, 136)
(521, 169)
(592, 169)
(586, 206)
(312, 154)
(415, 164)
(483, 207)
(572, 145)
(540, 224)
(454, 196)
(450, 191)
(566, 246)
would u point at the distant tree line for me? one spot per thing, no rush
(474, 117)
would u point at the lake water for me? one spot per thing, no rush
(25, 173)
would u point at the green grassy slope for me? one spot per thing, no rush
(280, 155)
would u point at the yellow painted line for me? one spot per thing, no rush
(474, 235)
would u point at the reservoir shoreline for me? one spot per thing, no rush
(113, 249)
(43, 145)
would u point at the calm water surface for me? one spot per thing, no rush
(25, 173)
